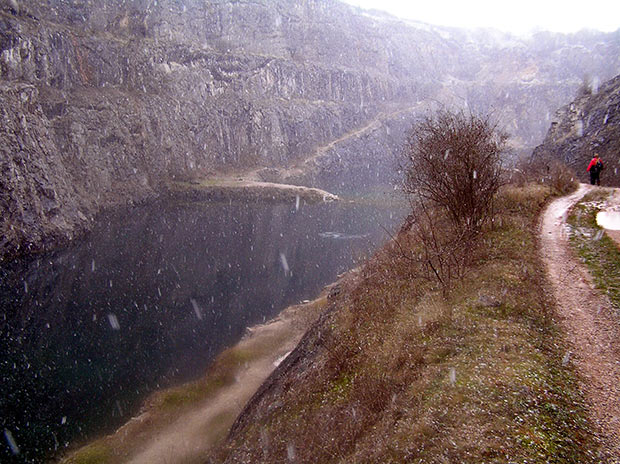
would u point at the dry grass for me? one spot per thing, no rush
(550, 172)
(405, 373)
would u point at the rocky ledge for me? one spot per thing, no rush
(243, 189)
(589, 124)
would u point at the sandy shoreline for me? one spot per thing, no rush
(247, 189)
(182, 423)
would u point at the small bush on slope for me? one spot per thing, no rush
(452, 167)
(453, 163)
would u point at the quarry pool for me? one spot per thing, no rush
(146, 301)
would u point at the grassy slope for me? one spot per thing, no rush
(404, 374)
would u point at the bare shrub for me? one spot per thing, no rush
(452, 171)
(520, 173)
(434, 248)
(561, 178)
(453, 162)
(548, 171)
(585, 89)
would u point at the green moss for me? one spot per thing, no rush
(342, 386)
(223, 374)
(191, 393)
(96, 453)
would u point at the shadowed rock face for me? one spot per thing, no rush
(591, 123)
(104, 101)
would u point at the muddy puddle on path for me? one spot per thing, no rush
(609, 220)
(148, 299)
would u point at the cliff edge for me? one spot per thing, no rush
(589, 124)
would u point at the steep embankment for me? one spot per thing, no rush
(591, 123)
(395, 371)
(104, 102)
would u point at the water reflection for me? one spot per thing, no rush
(147, 300)
(609, 220)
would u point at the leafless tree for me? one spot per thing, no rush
(452, 167)
(586, 87)
(453, 162)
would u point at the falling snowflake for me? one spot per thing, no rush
(114, 321)
(197, 309)
(11, 441)
(566, 358)
(284, 263)
(290, 452)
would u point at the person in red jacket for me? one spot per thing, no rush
(594, 168)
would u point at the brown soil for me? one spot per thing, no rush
(588, 321)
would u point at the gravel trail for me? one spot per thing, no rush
(588, 320)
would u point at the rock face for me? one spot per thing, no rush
(589, 124)
(104, 101)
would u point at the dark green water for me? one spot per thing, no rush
(147, 300)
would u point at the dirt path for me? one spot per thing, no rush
(377, 122)
(587, 319)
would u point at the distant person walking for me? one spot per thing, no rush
(594, 168)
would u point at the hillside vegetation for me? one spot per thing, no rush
(398, 371)
(409, 364)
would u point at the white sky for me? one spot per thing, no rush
(517, 16)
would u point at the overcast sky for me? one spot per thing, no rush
(517, 16)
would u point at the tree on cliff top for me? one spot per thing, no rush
(452, 167)
(453, 162)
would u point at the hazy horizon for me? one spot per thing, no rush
(521, 19)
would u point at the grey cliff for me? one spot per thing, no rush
(105, 102)
(589, 124)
